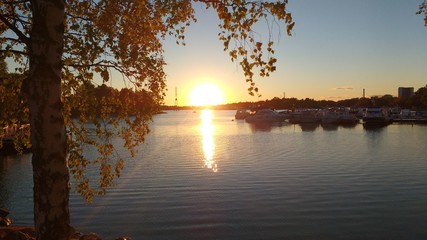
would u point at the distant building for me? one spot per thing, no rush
(405, 92)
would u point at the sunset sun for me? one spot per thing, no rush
(206, 95)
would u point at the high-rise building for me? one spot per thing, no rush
(405, 92)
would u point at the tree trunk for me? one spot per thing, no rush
(48, 139)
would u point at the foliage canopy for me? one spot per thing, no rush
(423, 10)
(102, 37)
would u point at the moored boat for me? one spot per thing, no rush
(411, 117)
(241, 114)
(305, 116)
(376, 117)
(348, 119)
(265, 115)
(330, 117)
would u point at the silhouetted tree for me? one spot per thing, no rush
(419, 99)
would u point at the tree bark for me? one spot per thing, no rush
(48, 137)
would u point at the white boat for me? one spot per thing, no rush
(339, 117)
(348, 119)
(376, 117)
(305, 116)
(265, 115)
(241, 114)
(330, 117)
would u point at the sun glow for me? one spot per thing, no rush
(206, 94)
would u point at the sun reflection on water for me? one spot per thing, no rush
(207, 130)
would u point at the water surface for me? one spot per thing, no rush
(204, 175)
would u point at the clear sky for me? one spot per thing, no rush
(338, 48)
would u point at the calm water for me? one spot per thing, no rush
(201, 176)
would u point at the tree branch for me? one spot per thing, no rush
(11, 39)
(12, 27)
(15, 2)
(100, 64)
(14, 52)
(423, 10)
(78, 17)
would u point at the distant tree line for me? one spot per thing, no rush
(417, 101)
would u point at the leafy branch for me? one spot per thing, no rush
(423, 10)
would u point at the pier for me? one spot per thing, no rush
(410, 120)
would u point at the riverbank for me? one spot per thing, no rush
(28, 233)
(17, 232)
(8, 232)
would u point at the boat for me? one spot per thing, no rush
(376, 117)
(411, 120)
(241, 114)
(305, 116)
(287, 114)
(411, 117)
(348, 119)
(265, 115)
(330, 117)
